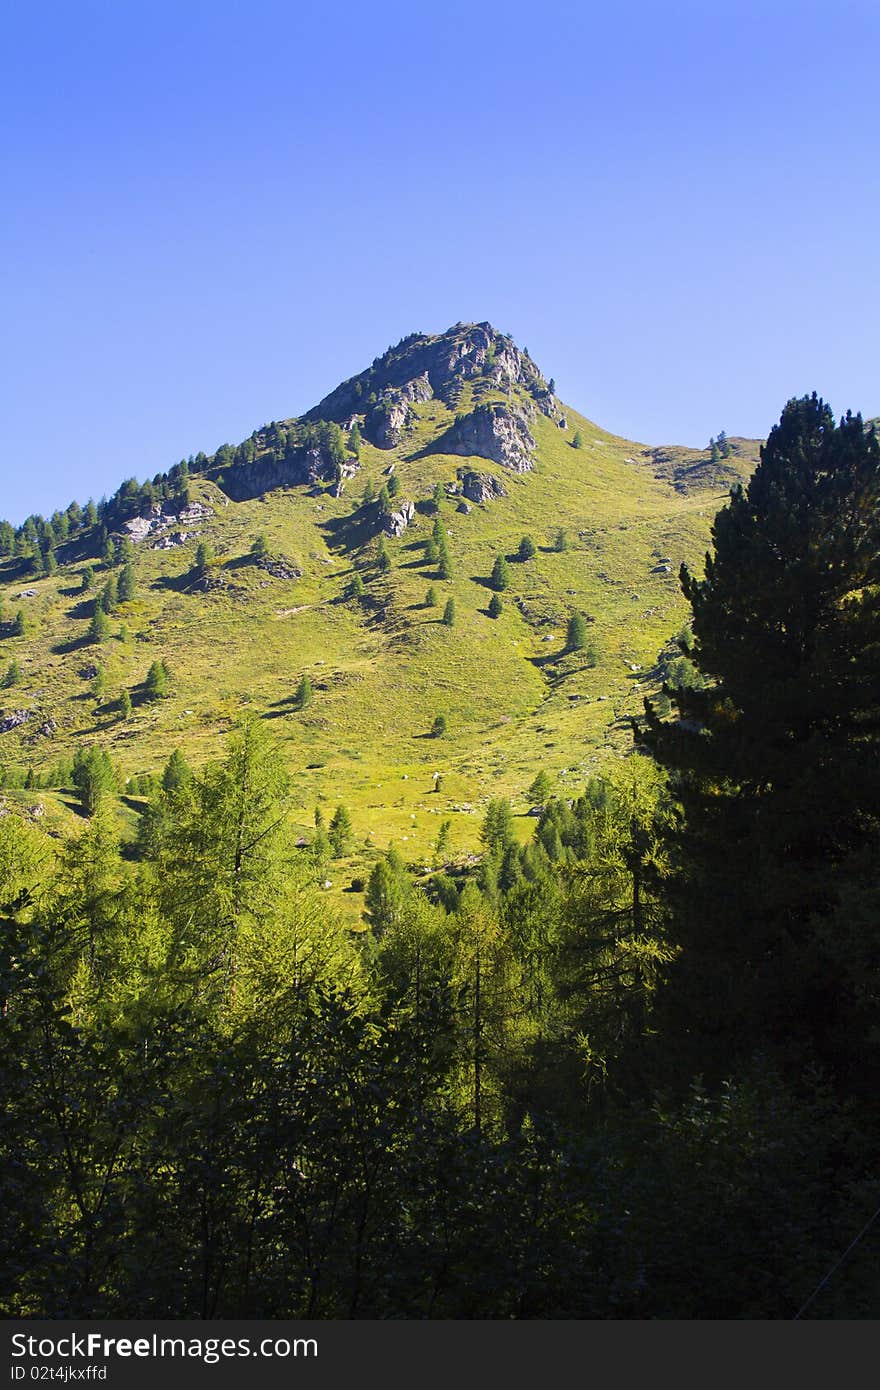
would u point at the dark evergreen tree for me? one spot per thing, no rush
(527, 549)
(500, 574)
(576, 634)
(495, 606)
(775, 758)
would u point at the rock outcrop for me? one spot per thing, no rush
(425, 365)
(395, 523)
(15, 720)
(481, 487)
(158, 519)
(497, 432)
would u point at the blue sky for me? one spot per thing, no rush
(215, 211)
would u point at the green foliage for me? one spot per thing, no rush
(383, 559)
(304, 692)
(527, 549)
(576, 633)
(438, 728)
(430, 597)
(12, 676)
(356, 588)
(259, 547)
(109, 596)
(99, 627)
(449, 612)
(125, 705)
(158, 680)
(93, 776)
(541, 788)
(500, 574)
(393, 486)
(577, 440)
(770, 750)
(87, 579)
(127, 586)
(495, 606)
(204, 558)
(176, 773)
(341, 831)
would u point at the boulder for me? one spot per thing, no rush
(481, 487)
(14, 720)
(395, 523)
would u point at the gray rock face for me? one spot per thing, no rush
(425, 365)
(14, 720)
(481, 487)
(497, 432)
(395, 523)
(158, 519)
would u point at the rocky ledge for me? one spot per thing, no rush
(497, 432)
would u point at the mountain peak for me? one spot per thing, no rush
(423, 366)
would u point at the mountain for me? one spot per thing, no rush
(469, 442)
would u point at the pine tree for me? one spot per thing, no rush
(127, 584)
(449, 612)
(354, 439)
(356, 587)
(176, 772)
(125, 705)
(431, 597)
(12, 676)
(341, 831)
(383, 559)
(204, 558)
(541, 788)
(578, 440)
(304, 693)
(259, 547)
(99, 628)
(439, 495)
(156, 683)
(87, 579)
(774, 758)
(560, 543)
(527, 549)
(444, 561)
(576, 635)
(495, 606)
(394, 485)
(109, 595)
(500, 574)
(19, 624)
(438, 728)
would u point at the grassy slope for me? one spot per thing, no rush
(514, 702)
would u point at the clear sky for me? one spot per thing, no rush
(214, 211)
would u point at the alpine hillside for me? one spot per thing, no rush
(436, 584)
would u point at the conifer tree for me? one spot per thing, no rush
(449, 612)
(127, 583)
(495, 606)
(526, 549)
(156, 683)
(383, 559)
(341, 831)
(304, 693)
(576, 634)
(774, 757)
(99, 627)
(500, 574)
